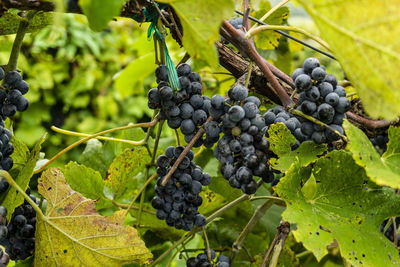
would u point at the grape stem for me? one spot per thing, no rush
(65, 150)
(19, 37)
(246, 47)
(279, 201)
(258, 214)
(371, 124)
(178, 161)
(277, 245)
(207, 243)
(72, 133)
(246, 21)
(314, 120)
(11, 181)
(263, 28)
(246, 84)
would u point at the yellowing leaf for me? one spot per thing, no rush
(363, 36)
(72, 233)
(201, 20)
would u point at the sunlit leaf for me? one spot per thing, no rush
(383, 170)
(280, 139)
(130, 80)
(84, 180)
(201, 20)
(99, 13)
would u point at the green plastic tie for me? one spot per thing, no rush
(152, 16)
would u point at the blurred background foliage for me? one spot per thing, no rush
(75, 85)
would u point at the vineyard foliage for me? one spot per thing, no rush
(97, 153)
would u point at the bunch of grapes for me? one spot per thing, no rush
(19, 236)
(322, 98)
(178, 201)
(243, 151)
(11, 94)
(11, 101)
(202, 260)
(186, 109)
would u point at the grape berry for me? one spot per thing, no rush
(202, 260)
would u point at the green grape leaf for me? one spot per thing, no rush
(280, 139)
(122, 177)
(73, 232)
(270, 39)
(9, 22)
(99, 13)
(130, 80)
(307, 153)
(383, 170)
(211, 201)
(21, 153)
(84, 180)
(345, 207)
(13, 199)
(363, 43)
(201, 20)
(93, 157)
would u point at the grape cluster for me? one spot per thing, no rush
(322, 98)
(202, 260)
(178, 201)
(242, 151)
(390, 231)
(12, 99)
(19, 236)
(380, 142)
(186, 109)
